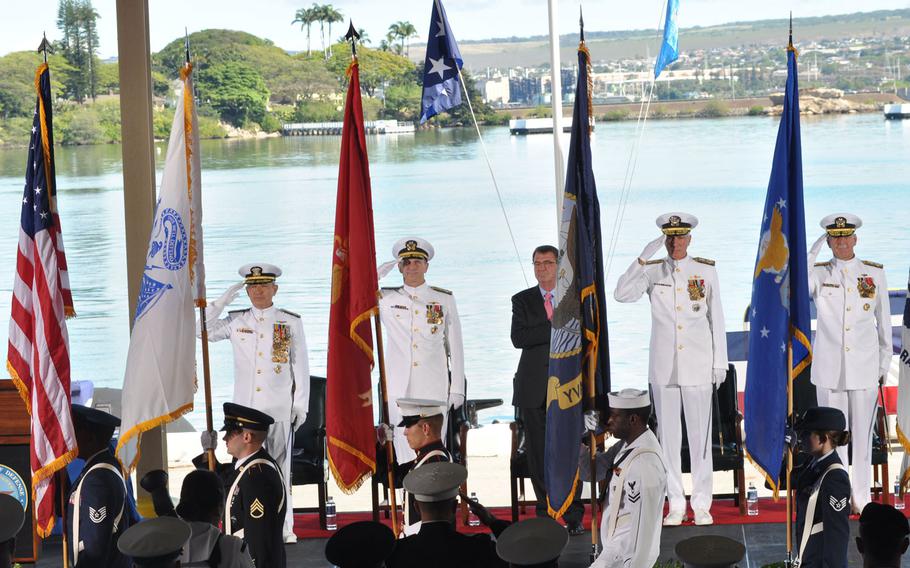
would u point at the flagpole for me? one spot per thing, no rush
(390, 457)
(206, 378)
(590, 387)
(790, 379)
(556, 103)
(60, 487)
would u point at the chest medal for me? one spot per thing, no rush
(434, 314)
(281, 342)
(865, 285)
(696, 289)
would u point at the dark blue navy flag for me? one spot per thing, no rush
(440, 71)
(579, 335)
(779, 322)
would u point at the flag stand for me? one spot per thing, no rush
(206, 379)
(384, 418)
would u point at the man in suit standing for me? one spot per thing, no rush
(532, 310)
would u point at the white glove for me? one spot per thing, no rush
(652, 248)
(592, 420)
(215, 308)
(383, 433)
(720, 375)
(456, 400)
(209, 440)
(817, 245)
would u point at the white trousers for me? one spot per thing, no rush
(695, 402)
(279, 442)
(858, 407)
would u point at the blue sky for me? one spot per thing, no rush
(23, 22)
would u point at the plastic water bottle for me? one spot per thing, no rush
(331, 517)
(473, 521)
(752, 500)
(898, 500)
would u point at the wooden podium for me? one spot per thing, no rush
(15, 469)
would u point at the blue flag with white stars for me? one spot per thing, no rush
(440, 71)
(669, 49)
(37, 201)
(779, 318)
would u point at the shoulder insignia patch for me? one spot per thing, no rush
(837, 504)
(658, 261)
(288, 312)
(257, 510)
(443, 290)
(870, 263)
(707, 261)
(823, 263)
(97, 516)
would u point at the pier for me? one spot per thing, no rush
(334, 128)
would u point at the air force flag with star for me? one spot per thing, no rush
(669, 49)
(779, 316)
(443, 62)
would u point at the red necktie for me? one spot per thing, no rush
(548, 304)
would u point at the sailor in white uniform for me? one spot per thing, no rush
(271, 368)
(424, 356)
(851, 352)
(688, 353)
(630, 526)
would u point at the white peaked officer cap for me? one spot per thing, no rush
(434, 482)
(413, 247)
(676, 224)
(841, 224)
(259, 273)
(415, 409)
(629, 398)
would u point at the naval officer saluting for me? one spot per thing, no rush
(688, 352)
(852, 347)
(271, 369)
(424, 356)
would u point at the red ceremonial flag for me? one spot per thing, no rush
(349, 401)
(38, 358)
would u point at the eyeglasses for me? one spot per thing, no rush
(546, 263)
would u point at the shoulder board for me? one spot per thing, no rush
(707, 261)
(658, 261)
(823, 263)
(443, 290)
(234, 312)
(290, 313)
(870, 263)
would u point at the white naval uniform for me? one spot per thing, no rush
(851, 350)
(688, 341)
(631, 523)
(422, 346)
(267, 385)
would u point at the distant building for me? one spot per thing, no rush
(525, 90)
(496, 91)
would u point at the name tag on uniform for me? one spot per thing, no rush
(397, 307)
(663, 284)
(244, 330)
(826, 285)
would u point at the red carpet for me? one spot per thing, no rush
(724, 512)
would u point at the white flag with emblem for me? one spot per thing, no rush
(903, 393)
(160, 377)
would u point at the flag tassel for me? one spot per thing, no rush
(390, 458)
(206, 380)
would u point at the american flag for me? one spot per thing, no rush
(38, 358)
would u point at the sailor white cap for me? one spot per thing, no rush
(413, 409)
(629, 398)
(841, 224)
(413, 247)
(259, 273)
(434, 482)
(676, 223)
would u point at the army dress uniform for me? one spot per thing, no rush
(630, 526)
(96, 514)
(424, 354)
(852, 346)
(271, 367)
(688, 344)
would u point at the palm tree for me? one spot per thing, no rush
(331, 16)
(306, 17)
(319, 13)
(406, 31)
(394, 34)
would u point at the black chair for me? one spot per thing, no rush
(308, 454)
(727, 426)
(519, 471)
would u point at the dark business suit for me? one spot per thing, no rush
(531, 333)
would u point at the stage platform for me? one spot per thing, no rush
(765, 544)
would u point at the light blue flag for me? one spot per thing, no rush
(669, 49)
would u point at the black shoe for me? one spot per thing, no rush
(575, 529)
